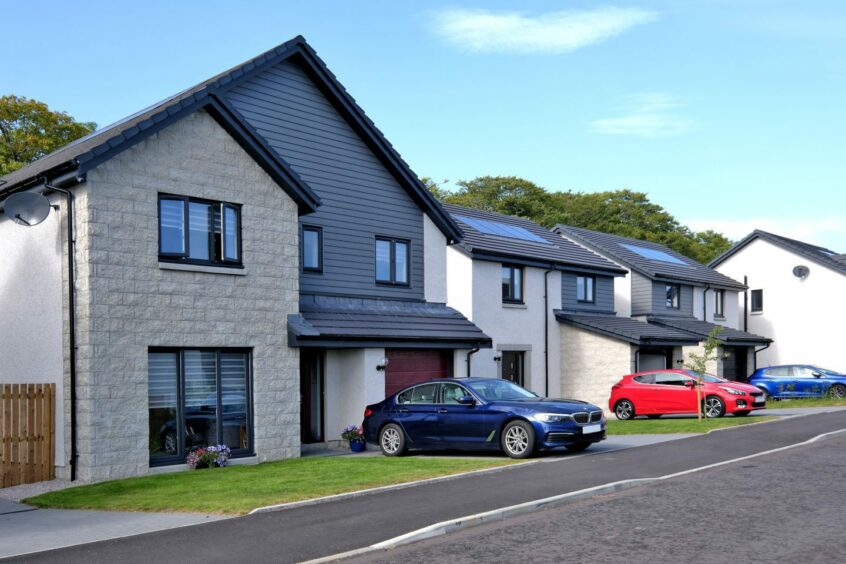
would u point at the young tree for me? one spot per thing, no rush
(698, 363)
(29, 130)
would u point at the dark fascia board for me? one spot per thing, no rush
(523, 261)
(641, 342)
(366, 342)
(725, 339)
(777, 241)
(697, 283)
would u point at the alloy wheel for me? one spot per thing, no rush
(624, 410)
(391, 440)
(837, 391)
(516, 440)
(713, 407)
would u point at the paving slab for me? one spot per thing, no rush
(8, 507)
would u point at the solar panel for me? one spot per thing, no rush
(501, 229)
(654, 254)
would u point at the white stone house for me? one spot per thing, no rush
(795, 296)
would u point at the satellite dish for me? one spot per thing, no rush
(27, 208)
(801, 271)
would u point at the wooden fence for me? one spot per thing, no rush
(28, 431)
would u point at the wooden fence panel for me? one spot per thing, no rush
(27, 430)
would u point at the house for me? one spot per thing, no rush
(509, 276)
(664, 309)
(252, 263)
(795, 296)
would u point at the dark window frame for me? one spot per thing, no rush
(672, 301)
(511, 298)
(590, 298)
(315, 229)
(759, 307)
(179, 458)
(393, 261)
(183, 257)
(720, 303)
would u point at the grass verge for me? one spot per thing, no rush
(687, 425)
(806, 402)
(236, 490)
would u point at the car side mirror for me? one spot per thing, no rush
(816, 374)
(466, 400)
(689, 383)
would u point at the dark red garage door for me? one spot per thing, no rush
(407, 367)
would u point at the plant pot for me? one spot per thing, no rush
(358, 446)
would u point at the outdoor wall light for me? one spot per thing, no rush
(383, 363)
(498, 358)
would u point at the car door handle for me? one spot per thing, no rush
(443, 410)
(402, 410)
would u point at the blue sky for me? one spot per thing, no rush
(729, 113)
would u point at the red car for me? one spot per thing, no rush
(662, 392)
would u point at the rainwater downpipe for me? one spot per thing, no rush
(704, 303)
(473, 351)
(546, 330)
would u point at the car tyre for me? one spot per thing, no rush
(741, 413)
(518, 439)
(392, 440)
(837, 391)
(577, 447)
(713, 407)
(624, 410)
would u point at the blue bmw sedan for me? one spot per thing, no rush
(480, 414)
(799, 381)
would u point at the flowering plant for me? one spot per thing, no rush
(353, 434)
(208, 457)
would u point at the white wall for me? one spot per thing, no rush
(31, 327)
(434, 262)
(623, 295)
(803, 316)
(352, 382)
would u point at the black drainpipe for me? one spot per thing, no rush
(473, 351)
(756, 355)
(546, 330)
(746, 310)
(704, 302)
(71, 325)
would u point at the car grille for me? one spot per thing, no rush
(581, 417)
(595, 416)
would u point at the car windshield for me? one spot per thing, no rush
(825, 371)
(709, 378)
(492, 390)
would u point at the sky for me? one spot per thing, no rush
(729, 113)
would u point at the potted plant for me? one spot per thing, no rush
(355, 435)
(208, 457)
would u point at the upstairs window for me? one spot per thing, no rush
(312, 242)
(585, 286)
(757, 301)
(512, 284)
(199, 231)
(719, 303)
(392, 261)
(673, 296)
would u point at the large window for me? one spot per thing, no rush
(199, 231)
(673, 296)
(197, 398)
(585, 289)
(392, 261)
(757, 301)
(512, 284)
(719, 303)
(312, 241)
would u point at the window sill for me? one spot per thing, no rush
(202, 268)
(756, 313)
(719, 318)
(514, 306)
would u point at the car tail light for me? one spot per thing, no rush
(368, 412)
(617, 386)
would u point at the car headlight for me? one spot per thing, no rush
(553, 417)
(733, 391)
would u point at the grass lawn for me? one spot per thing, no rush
(687, 425)
(239, 489)
(806, 402)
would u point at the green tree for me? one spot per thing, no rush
(698, 363)
(29, 130)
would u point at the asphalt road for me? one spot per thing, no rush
(784, 507)
(320, 530)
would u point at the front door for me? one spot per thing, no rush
(513, 367)
(311, 395)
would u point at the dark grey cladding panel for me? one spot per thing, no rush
(604, 293)
(553, 249)
(332, 318)
(642, 294)
(360, 198)
(659, 301)
(627, 329)
(703, 328)
(613, 247)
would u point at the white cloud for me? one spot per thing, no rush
(824, 231)
(555, 32)
(648, 115)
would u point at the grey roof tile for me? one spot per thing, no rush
(703, 328)
(628, 329)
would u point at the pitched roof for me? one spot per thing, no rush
(628, 329)
(327, 320)
(820, 255)
(652, 260)
(702, 329)
(489, 234)
(85, 153)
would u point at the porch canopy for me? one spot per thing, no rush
(701, 329)
(628, 329)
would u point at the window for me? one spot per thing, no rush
(673, 295)
(451, 392)
(585, 289)
(779, 372)
(196, 398)
(645, 379)
(199, 231)
(512, 284)
(392, 261)
(312, 241)
(671, 379)
(424, 394)
(757, 301)
(719, 303)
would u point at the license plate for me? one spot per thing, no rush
(759, 402)
(588, 429)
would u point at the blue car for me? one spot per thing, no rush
(799, 381)
(480, 414)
